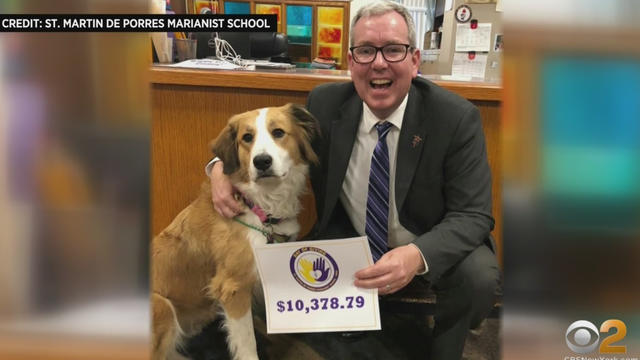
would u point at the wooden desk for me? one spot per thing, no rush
(190, 107)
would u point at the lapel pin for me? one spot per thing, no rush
(416, 140)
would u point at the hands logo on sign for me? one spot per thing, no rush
(313, 268)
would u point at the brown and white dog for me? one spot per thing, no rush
(202, 263)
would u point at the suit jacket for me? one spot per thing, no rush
(443, 181)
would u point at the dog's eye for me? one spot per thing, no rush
(277, 133)
(247, 138)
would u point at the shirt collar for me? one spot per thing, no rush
(370, 119)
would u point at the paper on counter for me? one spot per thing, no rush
(214, 64)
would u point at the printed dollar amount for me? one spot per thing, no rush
(349, 302)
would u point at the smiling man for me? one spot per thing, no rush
(382, 81)
(403, 162)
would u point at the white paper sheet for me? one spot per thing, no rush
(207, 64)
(468, 39)
(308, 286)
(463, 67)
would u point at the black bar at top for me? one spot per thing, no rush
(137, 23)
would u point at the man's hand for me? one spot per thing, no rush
(222, 193)
(395, 268)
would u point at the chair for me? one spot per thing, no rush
(267, 45)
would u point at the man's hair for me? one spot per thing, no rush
(382, 7)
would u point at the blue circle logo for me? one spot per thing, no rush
(314, 268)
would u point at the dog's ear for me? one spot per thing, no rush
(225, 147)
(310, 131)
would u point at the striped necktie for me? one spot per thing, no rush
(377, 219)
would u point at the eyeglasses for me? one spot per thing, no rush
(365, 54)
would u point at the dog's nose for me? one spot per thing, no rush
(262, 162)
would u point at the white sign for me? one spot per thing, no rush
(478, 39)
(466, 66)
(308, 286)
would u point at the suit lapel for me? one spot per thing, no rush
(410, 144)
(343, 134)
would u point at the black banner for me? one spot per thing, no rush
(137, 23)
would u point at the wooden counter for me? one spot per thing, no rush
(190, 107)
(300, 80)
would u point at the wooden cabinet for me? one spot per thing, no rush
(314, 28)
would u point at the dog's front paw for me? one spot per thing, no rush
(223, 289)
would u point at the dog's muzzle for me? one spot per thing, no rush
(263, 164)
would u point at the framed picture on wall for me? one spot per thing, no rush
(202, 6)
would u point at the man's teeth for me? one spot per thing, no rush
(379, 83)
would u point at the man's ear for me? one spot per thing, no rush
(415, 61)
(225, 147)
(310, 131)
(350, 59)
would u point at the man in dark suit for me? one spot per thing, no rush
(436, 195)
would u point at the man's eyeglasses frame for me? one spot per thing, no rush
(381, 50)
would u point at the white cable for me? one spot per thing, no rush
(224, 51)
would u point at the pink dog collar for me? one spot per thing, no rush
(264, 218)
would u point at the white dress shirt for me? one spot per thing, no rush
(356, 182)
